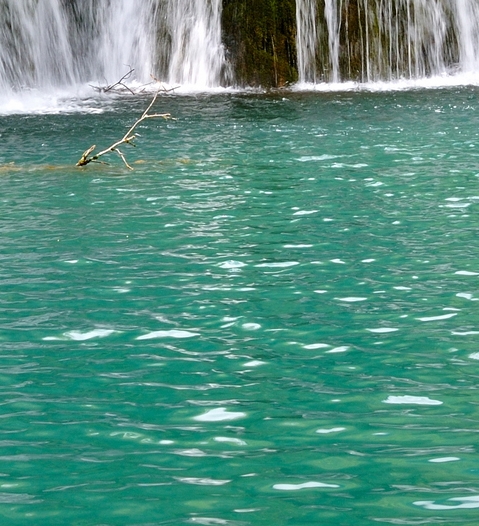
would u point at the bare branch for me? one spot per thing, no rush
(85, 158)
(128, 138)
(111, 87)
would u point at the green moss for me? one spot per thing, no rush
(260, 36)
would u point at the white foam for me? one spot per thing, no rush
(304, 485)
(77, 99)
(314, 346)
(251, 326)
(357, 165)
(443, 459)
(82, 336)
(230, 440)
(219, 414)
(383, 330)
(466, 273)
(209, 521)
(305, 212)
(284, 264)
(466, 296)
(202, 481)
(351, 299)
(298, 246)
(173, 333)
(466, 503)
(458, 205)
(96, 333)
(414, 400)
(254, 363)
(308, 158)
(436, 82)
(438, 318)
(232, 265)
(332, 430)
(343, 348)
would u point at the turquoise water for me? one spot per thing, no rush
(271, 321)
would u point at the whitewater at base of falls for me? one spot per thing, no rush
(51, 50)
(437, 82)
(83, 99)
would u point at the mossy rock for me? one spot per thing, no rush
(260, 40)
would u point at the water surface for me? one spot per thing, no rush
(272, 320)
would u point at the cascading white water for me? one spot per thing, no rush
(467, 20)
(34, 45)
(47, 44)
(306, 39)
(332, 21)
(371, 40)
(197, 51)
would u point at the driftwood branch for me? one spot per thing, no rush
(116, 85)
(121, 87)
(128, 138)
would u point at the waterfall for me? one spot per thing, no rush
(371, 40)
(197, 51)
(332, 22)
(306, 39)
(46, 44)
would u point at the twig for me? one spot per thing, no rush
(111, 87)
(128, 138)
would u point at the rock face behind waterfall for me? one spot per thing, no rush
(260, 38)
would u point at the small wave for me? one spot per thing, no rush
(284, 264)
(438, 318)
(464, 503)
(219, 414)
(336, 350)
(82, 336)
(305, 212)
(230, 440)
(202, 481)
(351, 299)
(331, 430)
(414, 400)
(309, 158)
(443, 459)
(251, 326)
(173, 333)
(383, 330)
(304, 485)
(254, 363)
(314, 346)
(232, 265)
